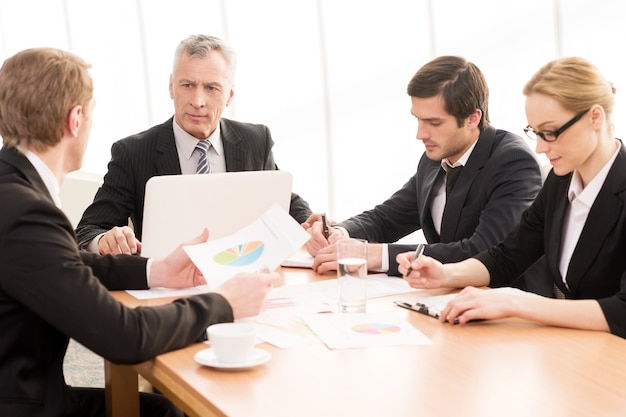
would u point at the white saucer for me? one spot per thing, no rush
(207, 357)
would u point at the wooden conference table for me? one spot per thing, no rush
(498, 368)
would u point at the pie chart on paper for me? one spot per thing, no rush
(240, 255)
(375, 328)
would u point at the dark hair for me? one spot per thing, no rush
(459, 82)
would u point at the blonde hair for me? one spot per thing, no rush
(38, 88)
(575, 83)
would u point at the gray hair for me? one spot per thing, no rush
(201, 46)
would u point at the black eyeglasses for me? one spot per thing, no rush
(552, 135)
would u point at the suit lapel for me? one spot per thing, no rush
(555, 232)
(454, 203)
(234, 153)
(166, 160)
(603, 216)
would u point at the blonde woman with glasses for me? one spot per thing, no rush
(573, 237)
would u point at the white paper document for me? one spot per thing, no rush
(301, 259)
(378, 285)
(264, 243)
(340, 331)
(279, 322)
(168, 292)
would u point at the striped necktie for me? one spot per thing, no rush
(203, 164)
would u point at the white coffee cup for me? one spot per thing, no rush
(232, 342)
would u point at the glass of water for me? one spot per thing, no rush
(351, 274)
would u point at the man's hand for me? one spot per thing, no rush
(119, 240)
(177, 270)
(315, 217)
(318, 241)
(246, 292)
(326, 259)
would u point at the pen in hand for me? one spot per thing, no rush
(324, 226)
(418, 251)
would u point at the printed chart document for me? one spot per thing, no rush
(378, 285)
(340, 331)
(264, 243)
(280, 321)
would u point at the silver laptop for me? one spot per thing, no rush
(178, 207)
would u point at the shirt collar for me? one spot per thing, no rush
(49, 180)
(187, 143)
(462, 160)
(588, 195)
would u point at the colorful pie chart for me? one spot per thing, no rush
(376, 328)
(240, 255)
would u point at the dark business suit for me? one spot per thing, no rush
(50, 292)
(137, 158)
(597, 269)
(499, 181)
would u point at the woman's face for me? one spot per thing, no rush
(574, 147)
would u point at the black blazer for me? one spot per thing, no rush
(597, 269)
(49, 292)
(499, 181)
(137, 158)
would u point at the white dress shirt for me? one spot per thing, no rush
(186, 145)
(46, 175)
(439, 189)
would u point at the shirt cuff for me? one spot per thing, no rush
(342, 230)
(148, 267)
(384, 262)
(92, 246)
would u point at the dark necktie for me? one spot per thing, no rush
(203, 164)
(452, 174)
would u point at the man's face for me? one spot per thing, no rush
(438, 130)
(201, 90)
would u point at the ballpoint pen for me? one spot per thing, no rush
(418, 251)
(324, 226)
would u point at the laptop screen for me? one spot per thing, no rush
(178, 207)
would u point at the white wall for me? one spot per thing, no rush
(327, 76)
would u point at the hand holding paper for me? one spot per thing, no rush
(265, 243)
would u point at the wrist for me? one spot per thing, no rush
(454, 276)
(154, 272)
(374, 256)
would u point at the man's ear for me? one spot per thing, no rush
(474, 119)
(74, 120)
(230, 96)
